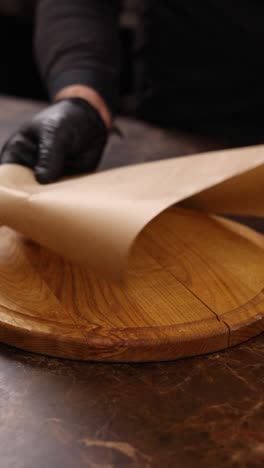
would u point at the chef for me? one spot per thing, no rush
(199, 67)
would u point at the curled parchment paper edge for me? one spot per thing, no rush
(96, 219)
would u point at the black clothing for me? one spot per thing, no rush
(201, 62)
(77, 42)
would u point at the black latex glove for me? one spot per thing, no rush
(66, 138)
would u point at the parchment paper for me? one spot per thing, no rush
(94, 219)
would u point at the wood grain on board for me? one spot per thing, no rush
(195, 284)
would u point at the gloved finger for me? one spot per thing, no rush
(20, 149)
(51, 156)
(84, 162)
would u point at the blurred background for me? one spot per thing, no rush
(19, 75)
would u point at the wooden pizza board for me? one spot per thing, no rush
(195, 285)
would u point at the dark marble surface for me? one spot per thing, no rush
(199, 412)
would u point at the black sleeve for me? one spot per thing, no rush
(77, 42)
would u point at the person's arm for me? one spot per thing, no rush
(77, 47)
(77, 43)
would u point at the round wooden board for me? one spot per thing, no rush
(195, 285)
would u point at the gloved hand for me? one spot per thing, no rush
(66, 138)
